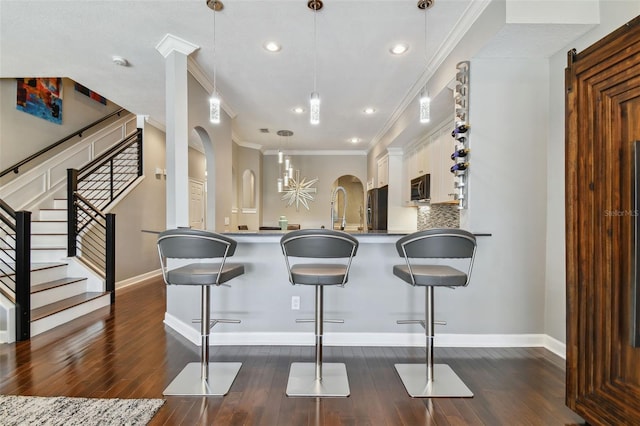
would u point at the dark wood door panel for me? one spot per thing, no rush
(602, 124)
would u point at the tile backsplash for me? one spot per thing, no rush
(438, 216)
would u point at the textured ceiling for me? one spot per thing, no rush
(355, 70)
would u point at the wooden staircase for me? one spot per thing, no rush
(57, 296)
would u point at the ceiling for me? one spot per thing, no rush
(355, 69)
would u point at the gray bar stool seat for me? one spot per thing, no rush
(204, 378)
(318, 379)
(429, 379)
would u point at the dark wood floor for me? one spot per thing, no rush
(126, 352)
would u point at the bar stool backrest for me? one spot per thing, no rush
(185, 243)
(319, 243)
(437, 243)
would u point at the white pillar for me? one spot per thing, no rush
(175, 51)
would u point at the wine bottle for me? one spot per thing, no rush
(460, 128)
(460, 139)
(459, 167)
(460, 153)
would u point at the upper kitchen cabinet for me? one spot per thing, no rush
(433, 156)
(442, 180)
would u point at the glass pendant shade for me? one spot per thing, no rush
(286, 179)
(280, 188)
(287, 163)
(280, 157)
(214, 108)
(425, 108)
(314, 108)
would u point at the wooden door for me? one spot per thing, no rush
(196, 204)
(602, 124)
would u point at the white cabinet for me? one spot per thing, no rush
(432, 157)
(442, 180)
(422, 161)
(383, 171)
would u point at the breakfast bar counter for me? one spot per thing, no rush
(370, 303)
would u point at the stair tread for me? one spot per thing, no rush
(50, 248)
(36, 267)
(61, 305)
(55, 283)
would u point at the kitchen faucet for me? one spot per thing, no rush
(334, 196)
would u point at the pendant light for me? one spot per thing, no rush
(425, 101)
(282, 181)
(314, 99)
(214, 100)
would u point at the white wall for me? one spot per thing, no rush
(613, 14)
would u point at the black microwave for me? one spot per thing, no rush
(421, 188)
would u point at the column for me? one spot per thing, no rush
(176, 51)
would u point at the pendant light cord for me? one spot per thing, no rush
(315, 49)
(425, 34)
(214, 52)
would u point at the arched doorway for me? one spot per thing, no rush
(354, 214)
(200, 135)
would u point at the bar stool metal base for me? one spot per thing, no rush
(445, 384)
(302, 380)
(189, 382)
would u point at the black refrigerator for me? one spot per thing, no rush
(377, 209)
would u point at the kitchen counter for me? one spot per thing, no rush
(362, 236)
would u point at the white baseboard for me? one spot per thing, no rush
(138, 279)
(555, 346)
(367, 339)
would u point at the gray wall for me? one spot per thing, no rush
(248, 159)
(217, 145)
(143, 208)
(507, 194)
(327, 168)
(23, 134)
(613, 14)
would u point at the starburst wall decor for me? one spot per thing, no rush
(299, 191)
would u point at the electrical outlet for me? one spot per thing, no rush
(295, 303)
(226, 220)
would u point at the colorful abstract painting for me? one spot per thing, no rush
(90, 93)
(41, 97)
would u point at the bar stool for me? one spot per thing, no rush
(203, 378)
(429, 380)
(318, 379)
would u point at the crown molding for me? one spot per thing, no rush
(249, 145)
(201, 77)
(171, 43)
(155, 123)
(470, 15)
(316, 152)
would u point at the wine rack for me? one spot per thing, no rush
(460, 133)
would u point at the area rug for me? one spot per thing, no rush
(60, 410)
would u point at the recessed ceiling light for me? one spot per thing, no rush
(298, 110)
(399, 48)
(354, 140)
(272, 46)
(369, 110)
